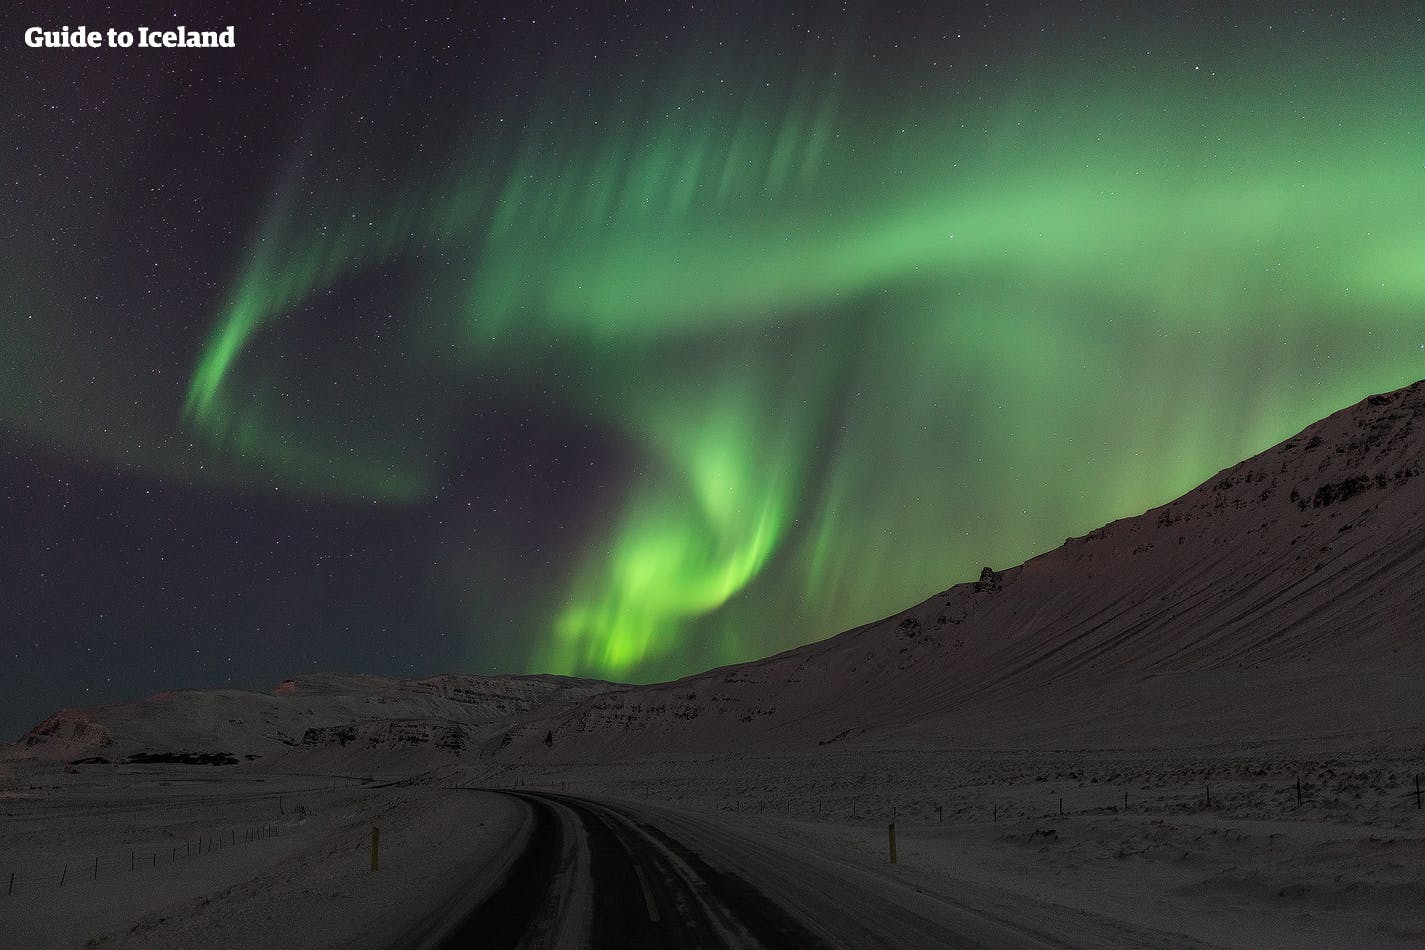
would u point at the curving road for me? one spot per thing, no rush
(593, 874)
(648, 890)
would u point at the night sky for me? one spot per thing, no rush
(626, 340)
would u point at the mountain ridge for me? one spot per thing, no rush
(450, 711)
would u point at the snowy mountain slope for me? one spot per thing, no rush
(1284, 597)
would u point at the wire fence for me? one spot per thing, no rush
(1262, 800)
(139, 858)
(171, 851)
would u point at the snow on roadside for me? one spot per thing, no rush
(1345, 867)
(1247, 867)
(294, 869)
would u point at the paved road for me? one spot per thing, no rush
(602, 875)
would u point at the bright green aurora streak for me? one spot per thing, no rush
(870, 333)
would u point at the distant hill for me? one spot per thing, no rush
(312, 714)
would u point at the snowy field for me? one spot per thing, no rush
(230, 856)
(235, 860)
(1247, 867)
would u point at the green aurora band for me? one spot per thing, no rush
(870, 333)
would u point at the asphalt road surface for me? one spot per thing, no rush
(592, 874)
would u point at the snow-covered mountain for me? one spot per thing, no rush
(451, 713)
(1282, 599)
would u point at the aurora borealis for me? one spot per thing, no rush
(625, 342)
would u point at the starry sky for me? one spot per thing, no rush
(626, 340)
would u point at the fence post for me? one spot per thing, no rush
(1209, 796)
(939, 814)
(12, 883)
(375, 847)
(1417, 791)
(1061, 807)
(63, 874)
(1298, 789)
(892, 829)
(96, 869)
(996, 811)
(1125, 799)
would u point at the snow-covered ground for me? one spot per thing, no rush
(227, 860)
(1345, 868)
(289, 862)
